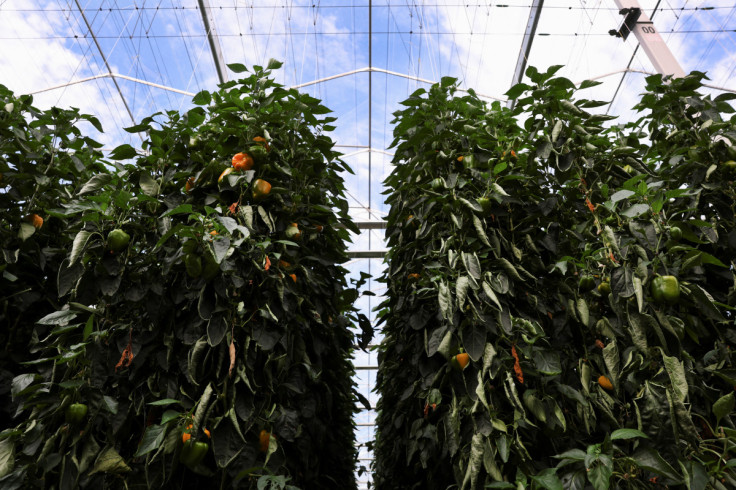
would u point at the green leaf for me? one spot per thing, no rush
(474, 340)
(95, 183)
(627, 434)
(635, 210)
(445, 300)
(109, 461)
(572, 454)
(237, 67)
(622, 194)
(122, 152)
(650, 460)
(168, 416)
(548, 479)
(475, 463)
(26, 231)
(600, 476)
(491, 295)
(165, 401)
(547, 362)
(518, 89)
(7, 456)
(583, 313)
(676, 372)
(152, 440)
(216, 329)
(202, 98)
(80, 241)
(724, 406)
(58, 318)
(181, 209)
(472, 265)
(274, 64)
(461, 290)
(149, 186)
(534, 405)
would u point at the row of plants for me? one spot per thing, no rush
(192, 324)
(561, 291)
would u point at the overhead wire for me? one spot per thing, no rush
(482, 50)
(728, 52)
(102, 87)
(164, 80)
(186, 46)
(196, 65)
(348, 6)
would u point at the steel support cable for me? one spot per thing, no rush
(587, 35)
(137, 57)
(104, 58)
(270, 30)
(428, 40)
(712, 42)
(134, 53)
(240, 28)
(81, 60)
(483, 50)
(161, 55)
(291, 40)
(316, 48)
(194, 70)
(186, 47)
(343, 6)
(385, 90)
(370, 108)
(100, 88)
(726, 51)
(397, 33)
(471, 24)
(355, 79)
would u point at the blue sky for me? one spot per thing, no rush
(46, 43)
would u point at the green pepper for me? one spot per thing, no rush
(438, 183)
(75, 413)
(190, 246)
(117, 240)
(193, 264)
(211, 267)
(665, 289)
(604, 288)
(193, 452)
(675, 233)
(485, 203)
(586, 284)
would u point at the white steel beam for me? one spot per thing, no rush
(651, 42)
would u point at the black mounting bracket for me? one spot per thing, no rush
(631, 16)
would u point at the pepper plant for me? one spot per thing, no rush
(45, 159)
(587, 271)
(205, 321)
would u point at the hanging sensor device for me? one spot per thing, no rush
(631, 17)
(636, 21)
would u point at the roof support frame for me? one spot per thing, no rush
(209, 27)
(526, 44)
(107, 65)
